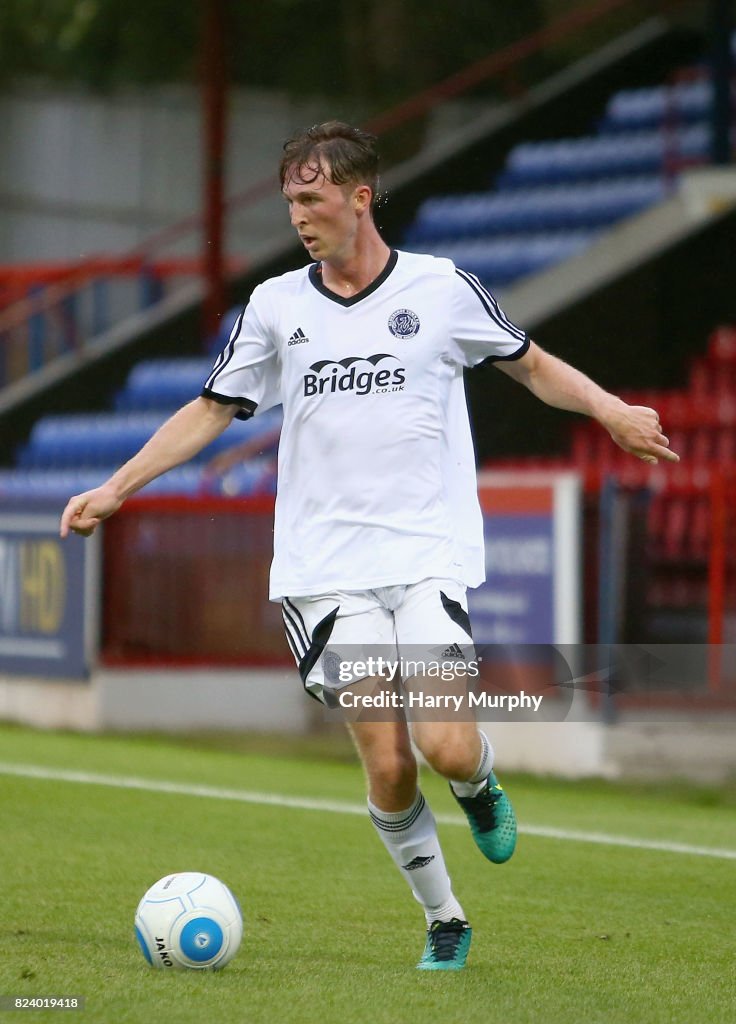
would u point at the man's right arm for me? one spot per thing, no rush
(188, 431)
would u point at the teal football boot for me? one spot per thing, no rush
(447, 946)
(492, 820)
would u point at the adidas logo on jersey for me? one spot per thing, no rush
(298, 337)
(453, 651)
(328, 378)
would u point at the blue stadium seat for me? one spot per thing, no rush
(257, 476)
(105, 439)
(605, 156)
(96, 439)
(500, 261)
(164, 384)
(633, 109)
(637, 109)
(60, 485)
(562, 208)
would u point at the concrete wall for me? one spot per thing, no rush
(270, 700)
(82, 174)
(654, 746)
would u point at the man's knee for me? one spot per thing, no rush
(450, 751)
(389, 763)
(393, 770)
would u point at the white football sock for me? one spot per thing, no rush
(476, 782)
(411, 838)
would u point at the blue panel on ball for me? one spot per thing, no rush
(142, 943)
(201, 939)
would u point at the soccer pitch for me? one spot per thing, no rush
(617, 908)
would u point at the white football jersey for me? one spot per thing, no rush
(376, 468)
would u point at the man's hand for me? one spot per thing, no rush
(637, 430)
(84, 512)
(180, 438)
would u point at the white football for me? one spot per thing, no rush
(188, 919)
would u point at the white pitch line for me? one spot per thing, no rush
(32, 771)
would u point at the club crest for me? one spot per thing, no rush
(403, 323)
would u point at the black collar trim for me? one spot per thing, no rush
(315, 276)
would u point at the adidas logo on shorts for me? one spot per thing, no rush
(453, 651)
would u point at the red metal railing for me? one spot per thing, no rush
(498, 64)
(721, 573)
(63, 307)
(722, 555)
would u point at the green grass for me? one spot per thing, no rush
(567, 932)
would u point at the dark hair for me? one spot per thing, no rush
(350, 156)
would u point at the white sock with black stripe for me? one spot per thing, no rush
(411, 838)
(476, 782)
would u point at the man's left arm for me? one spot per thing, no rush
(635, 428)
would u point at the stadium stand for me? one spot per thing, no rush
(554, 198)
(557, 207)
(633, 109)
(700, 421)
(70, 453)
(108, 439)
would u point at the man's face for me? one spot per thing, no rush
(325, 215)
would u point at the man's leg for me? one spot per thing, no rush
(346, 626)
(433, 630)
(454, 749)
(462, 754)
(407, 828)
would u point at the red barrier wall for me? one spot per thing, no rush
(187, 581)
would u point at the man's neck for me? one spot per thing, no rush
(356, 273)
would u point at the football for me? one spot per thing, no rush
(190, 920)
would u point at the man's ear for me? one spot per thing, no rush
(362, 197)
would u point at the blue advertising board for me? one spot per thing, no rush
(48, 596)
(532, 542)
